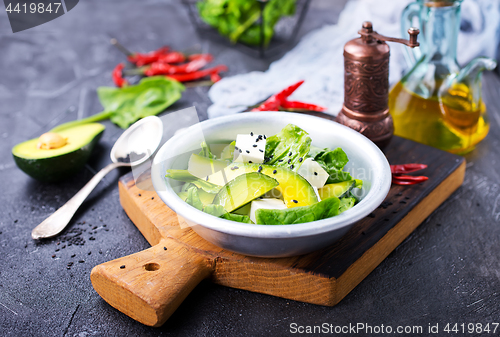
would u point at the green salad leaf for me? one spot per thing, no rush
(333, 161)
(345, 204)
(126, 105)
(321, 210)
(288, 147)
(185, 176)
(194, 199)
(220, 212)
(239, 19)
(205, 151)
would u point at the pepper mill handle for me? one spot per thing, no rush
(368, 34)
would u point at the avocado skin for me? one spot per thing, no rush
(58, 168)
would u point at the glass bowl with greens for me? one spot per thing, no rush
(271, 184)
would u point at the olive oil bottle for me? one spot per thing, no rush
(451, 122)
(437, 103)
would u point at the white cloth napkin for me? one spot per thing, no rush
(318, 58)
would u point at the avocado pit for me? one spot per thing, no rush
(51, 140)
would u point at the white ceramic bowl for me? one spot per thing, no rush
(366, 162)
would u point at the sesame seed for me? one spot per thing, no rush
(251, 133)
(139, 194)
(236, 148)
(272, 156)
(240, 150)
(254, 145)
(289, 161)
(315, 173)
(164, 248)
(290, 154)
(274, 171)
(247, 151)
(300, 160)
(207, 178)
(280, 160)
(291, 167)
(295, 201)
(261, 150)
(250, 162)
(152, 198)
(260, 168)
(264, 136)
(256, 140)
(122, 267)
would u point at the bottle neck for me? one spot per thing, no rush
(440, 26)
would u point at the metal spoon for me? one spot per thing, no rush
(143, 137)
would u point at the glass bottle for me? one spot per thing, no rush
(437, 103)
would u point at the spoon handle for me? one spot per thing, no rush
(55, 223)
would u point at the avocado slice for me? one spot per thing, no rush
(338, 190)
(296, 190)
(244, 189)
(201, 167)
(57, 156)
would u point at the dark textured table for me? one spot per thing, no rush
(447, 271)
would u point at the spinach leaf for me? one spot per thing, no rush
(287, 147)
(126, 105)
(321, 210)
(194, 199)
(220, 212)
(346, 203)
(185, 176)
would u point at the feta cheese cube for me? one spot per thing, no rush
(313, 173)
(265, 204)
(249, 148)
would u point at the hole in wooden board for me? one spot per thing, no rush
(151, 266)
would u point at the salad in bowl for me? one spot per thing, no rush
(278, 179)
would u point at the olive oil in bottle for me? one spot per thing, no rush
(448, 121)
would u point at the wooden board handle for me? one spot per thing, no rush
(149, 286)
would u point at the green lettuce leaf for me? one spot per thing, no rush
(333, 161)
(321, 210)
(220, 212)
(205, 151)
(346, 203)
(185, 176)
(194, 199)
(288, 147)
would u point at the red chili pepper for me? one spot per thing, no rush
(172, 57)
(158, 68)
(275, 101)
(198, 74)
(117, 75)
(407, 168)
(404, 182)
(295, 105)
(140, 59)
(410, 178)
(215, 77)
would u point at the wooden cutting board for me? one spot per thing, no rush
(149, 286)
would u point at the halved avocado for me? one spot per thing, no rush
(57, 156)
(296, 190)
(244, 189)
(338, 190)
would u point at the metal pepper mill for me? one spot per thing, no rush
(366, 84)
